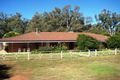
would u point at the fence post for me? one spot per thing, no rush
(88, 53)
(19, 50)
(28, 51)
(28, 55)
(115, 51)
(3, 56)
(16, 55)
(61, 54)
(95, 52)
(80, 52)
(109, 52)
(40, 55)
(70, 53)
(51, 55)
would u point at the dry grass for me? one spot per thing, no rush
(82, 68)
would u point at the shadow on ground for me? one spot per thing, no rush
(4, 72)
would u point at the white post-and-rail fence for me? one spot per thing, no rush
(27, 55)
(4, 55)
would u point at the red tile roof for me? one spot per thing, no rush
(52, 36)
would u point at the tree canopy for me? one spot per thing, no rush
(109, 21)
(64, 19)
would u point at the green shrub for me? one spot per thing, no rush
(60, 48)
(114, 41)
(46, 48)
(36, 51)
(85, 42)
(10, 34)
(49, 49)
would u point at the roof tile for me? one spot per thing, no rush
(53, 36)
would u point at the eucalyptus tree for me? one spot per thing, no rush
(73, 19)
(55, 20)
(109, 21)
(88, 23)
(37, 21)
(24, 26)
(3, 24)
(65, 19)
(15, 22)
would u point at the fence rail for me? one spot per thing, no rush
(57, 55)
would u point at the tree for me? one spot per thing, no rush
(98, 29)
(73, 19)
(3, 24)
(37, 21)
(15, 23)
(24, 26)
(54, 20)
(114, 41)
(118, 28)
(88, 24)
(65, 19)
(85, 42)
(88, 20)
(109, 21)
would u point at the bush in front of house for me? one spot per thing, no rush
(46, 48)
(49, 49)
(114, 41)
(35, 51)
(85, 42)
(60, 48)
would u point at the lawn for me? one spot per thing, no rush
(76, 68)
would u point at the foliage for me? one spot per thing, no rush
(109, 21)
(44, 49)
(35, 51)
(10, 34)
(3, 24)
(98, 29)
(63, 19)
(13, 23)
(66, 19)
(114, 41)
(118, 29)
(48, 49)
(60, 48)
(85, 42)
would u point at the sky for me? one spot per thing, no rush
(29, 7)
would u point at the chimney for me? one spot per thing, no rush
(71, 32)
(36, 30)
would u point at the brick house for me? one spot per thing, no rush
(34, 40)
